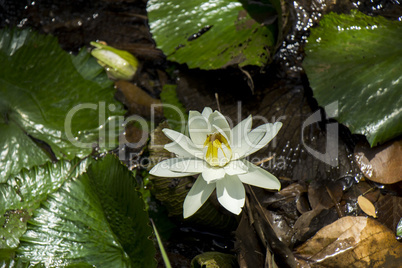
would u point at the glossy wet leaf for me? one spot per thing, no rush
(214, 34)
(48, 97)
(21, 194)
(97, 219)
(13, 225)
(381, 164)
(355, 60)
(352, 242)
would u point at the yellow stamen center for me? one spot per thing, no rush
(214, 143)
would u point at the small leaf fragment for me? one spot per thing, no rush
(399, 228)
(367, 206)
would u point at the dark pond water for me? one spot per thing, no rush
(281, 89)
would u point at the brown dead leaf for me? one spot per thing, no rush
(367, 206)
(248, 245)
(324, 193)
(262, 224)
(382, 163)
(352, 242)
(310, 222)
(137, 100)
(389, 210)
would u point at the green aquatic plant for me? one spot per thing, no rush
(119, 64)
(215, 34)
(355, 60)
(216, 152)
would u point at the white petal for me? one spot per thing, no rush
(259, 177)
(162, 169)
(211, 174)
(175, 148)
(235, 168)
(184, 142)
(197, 196)
(271, 131)
(240, 131)
(257, 139)
(247, 144)
(189, 165)
(218, 121)
(198, 127)
(231, 193)
(207, 112)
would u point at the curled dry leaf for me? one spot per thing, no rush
(351, 242)
(137, 100)
(311, 221)
(281, 211)
(367, 206)
(247, 245)
(382, 163)
(324, 193)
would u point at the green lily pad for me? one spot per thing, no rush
(48, 97)
(97, 219)
(214, 34)
(355, 60)
(22, 194)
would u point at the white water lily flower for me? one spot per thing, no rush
(217, 152)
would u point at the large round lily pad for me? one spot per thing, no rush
(96, 219)
(214, 34)
(356, 60)
(50, 98)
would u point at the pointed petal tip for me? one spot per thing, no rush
(237, 212)
(153, 170)
(197, 196)
(278, 125)
(188, 210)
(186, 215)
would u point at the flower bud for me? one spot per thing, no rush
(119, 64)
